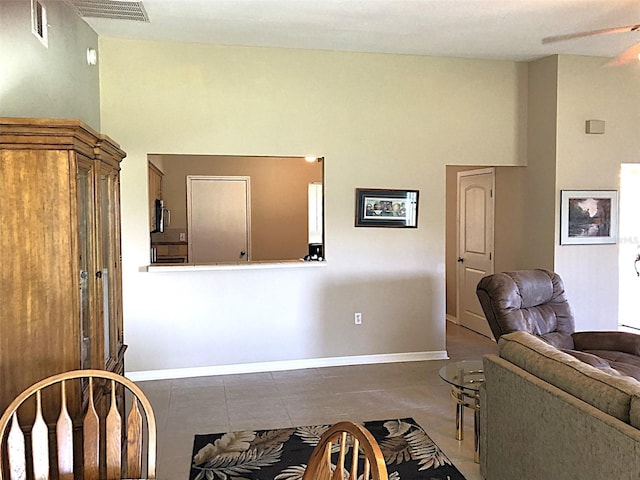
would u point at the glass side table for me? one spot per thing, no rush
(465, 378)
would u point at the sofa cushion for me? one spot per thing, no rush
(608, 393)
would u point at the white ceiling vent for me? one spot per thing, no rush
(113, 9)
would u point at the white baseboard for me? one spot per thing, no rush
(283, 365)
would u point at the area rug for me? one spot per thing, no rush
(282, 454)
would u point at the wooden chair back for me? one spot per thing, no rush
(346, 439)
(89, 438)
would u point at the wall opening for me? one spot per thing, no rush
(629, 242)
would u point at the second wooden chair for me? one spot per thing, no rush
(365, 452)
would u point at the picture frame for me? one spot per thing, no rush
(588, 217)
(376, 207)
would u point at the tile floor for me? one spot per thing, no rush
(215, 404)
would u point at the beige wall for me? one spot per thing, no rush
(589, 90)
(380, 121)
(278, 192)
(511, 216)
(564, 92)
(53, 82)
(540, 180)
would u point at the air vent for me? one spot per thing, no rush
(39, 25)
(110, 9)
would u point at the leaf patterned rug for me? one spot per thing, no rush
(282, 454)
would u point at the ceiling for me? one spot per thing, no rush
(487, 29)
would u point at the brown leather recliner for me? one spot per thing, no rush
(534, 301)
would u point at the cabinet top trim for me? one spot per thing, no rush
(44, 133)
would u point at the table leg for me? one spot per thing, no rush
(459, 414)
(476, 433)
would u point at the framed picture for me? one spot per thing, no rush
(386, 208)
(588, 217)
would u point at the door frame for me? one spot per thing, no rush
(467, 173)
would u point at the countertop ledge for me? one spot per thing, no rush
(189, 267)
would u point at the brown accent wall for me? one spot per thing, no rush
(279, 216)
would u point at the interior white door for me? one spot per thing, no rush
(218, 218)
(475, 243)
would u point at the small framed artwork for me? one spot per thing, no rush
(377, 207)
(588, 217)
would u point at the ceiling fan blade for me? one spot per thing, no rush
(604, 31)
(628, 56)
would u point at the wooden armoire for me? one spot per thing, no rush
(60, 273)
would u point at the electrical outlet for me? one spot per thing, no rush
(358, 318)
(183, 237)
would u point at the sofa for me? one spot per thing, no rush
(544, 414)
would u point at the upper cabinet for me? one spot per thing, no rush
(60, 282)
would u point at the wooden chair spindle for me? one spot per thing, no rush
(91, 431)
(114, 438)
(134, 441)
(338, 473)
(325, 465)
(64, 437)
(354, 460)
(367, 469)
(40, 443)
(17, 451)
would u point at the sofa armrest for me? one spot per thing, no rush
(612, 341)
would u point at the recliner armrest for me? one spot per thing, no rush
(612, 341)
(588, 358)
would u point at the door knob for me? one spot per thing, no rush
(242, 253)
(460, 259)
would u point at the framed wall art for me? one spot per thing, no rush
(377, 207)
(588, 217)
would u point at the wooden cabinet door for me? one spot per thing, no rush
(108, 268)
(39, 331)
(85, 186)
